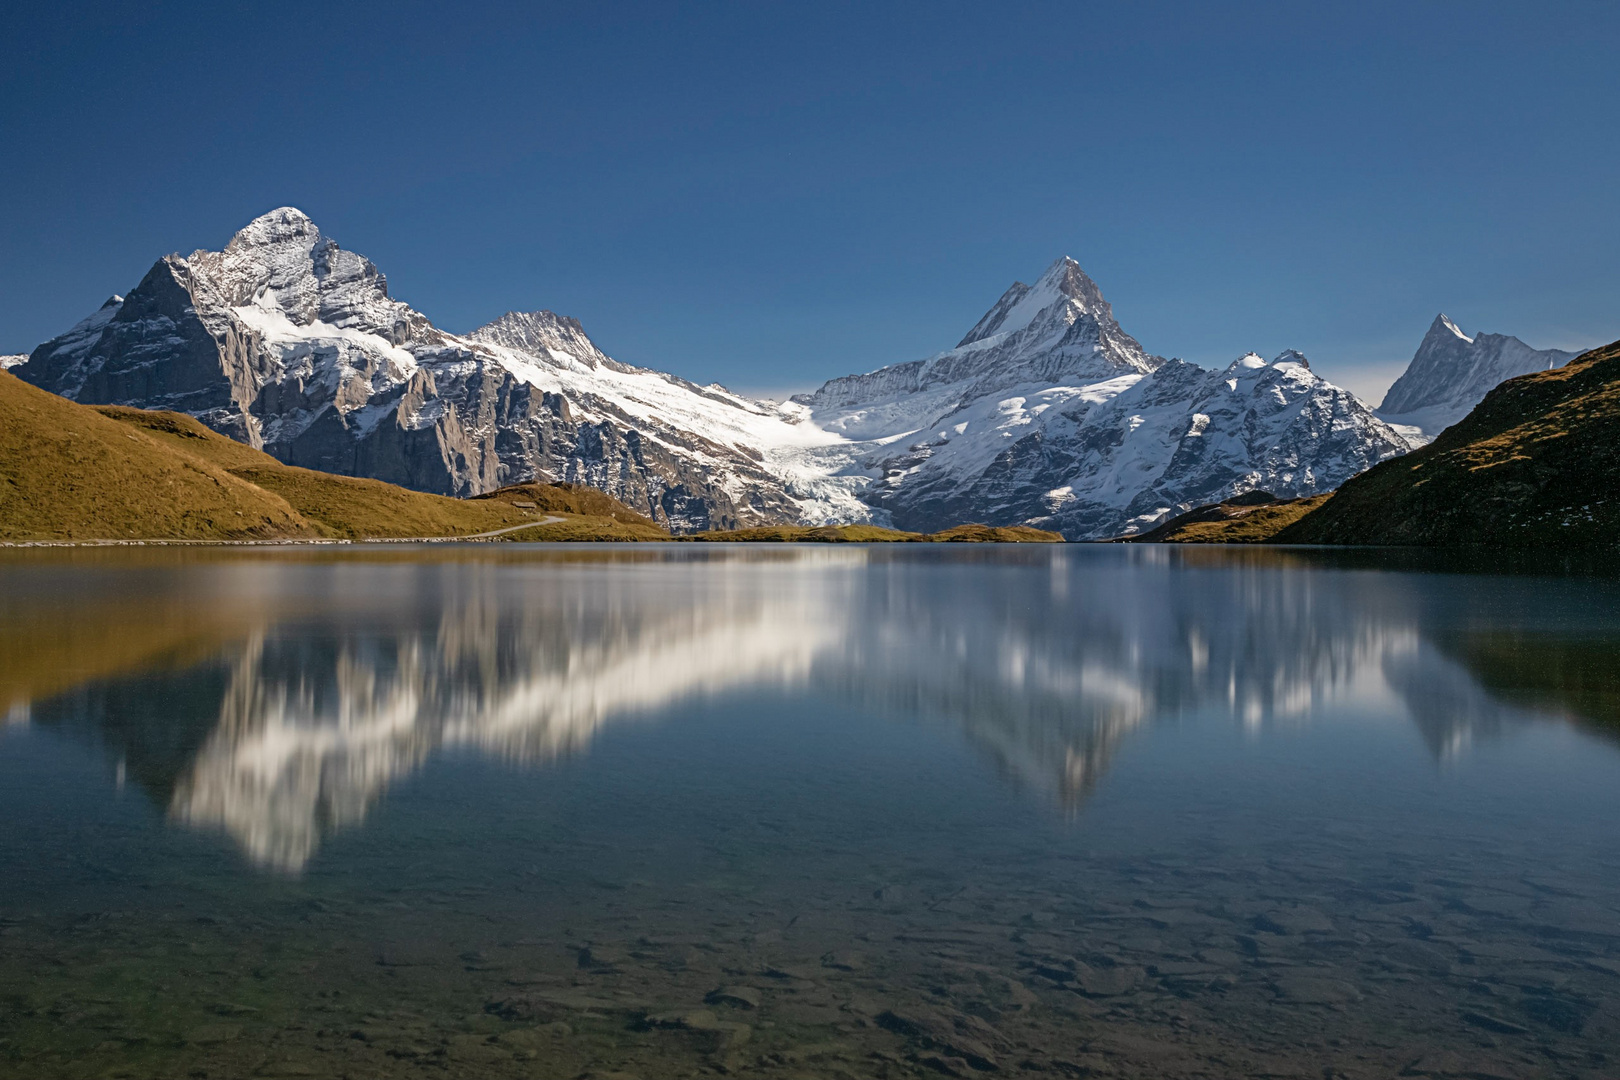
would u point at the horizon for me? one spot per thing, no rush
(801, 196)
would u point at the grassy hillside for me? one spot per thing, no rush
(994, 534)
(1246, 519)
(73, 472)
(1536, 464)
(69, 473)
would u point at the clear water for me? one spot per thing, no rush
(806, 811)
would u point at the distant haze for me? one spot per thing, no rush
(770, 195)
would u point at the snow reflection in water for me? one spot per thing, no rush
(342, 681)
(805, 812)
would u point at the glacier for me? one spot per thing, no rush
(1046, 412)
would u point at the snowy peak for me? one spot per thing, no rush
(285, 341)
(1063, 283)
(1451, 373)
(1289, 363)
(283, 225)
(541, 334)
(1059, 330)
(280, 265)
(1442, 332)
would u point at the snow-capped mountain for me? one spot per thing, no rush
(1047, 412)
(13, 360)
(287, 342)
(1452, 372)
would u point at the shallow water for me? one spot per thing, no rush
(806, 811)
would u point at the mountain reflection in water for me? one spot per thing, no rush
(277, 698)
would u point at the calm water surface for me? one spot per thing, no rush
(806, 812)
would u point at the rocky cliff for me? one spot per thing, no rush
(289, 343)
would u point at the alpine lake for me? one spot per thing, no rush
(807, 811)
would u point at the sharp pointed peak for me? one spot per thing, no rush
(1066, 276)
(1443, 328)
(1292, 356)
(1062, 281)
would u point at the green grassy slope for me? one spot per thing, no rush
(1536, 464)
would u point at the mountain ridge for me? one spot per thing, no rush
(1051, 415)
(1451, 373)
(286, 342)
(1046, 413)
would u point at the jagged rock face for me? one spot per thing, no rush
(1452, 372)
(1048, 413)
(289, 343)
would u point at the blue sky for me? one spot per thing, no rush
(769, 195)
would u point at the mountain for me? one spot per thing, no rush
(1048, 413)
(13, 360)
(1536, 464)
(72, 472)
(1452, 372)
(289, 343)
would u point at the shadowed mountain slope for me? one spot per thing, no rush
(1536, 464)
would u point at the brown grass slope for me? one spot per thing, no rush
(1241, 520)
(597, 512)
(76, 473)
(339, 507)
(1536, 464)
(995, 534)
(69, 473)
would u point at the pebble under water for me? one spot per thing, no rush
(806, 811)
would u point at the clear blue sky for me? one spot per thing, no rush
(769, 195)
